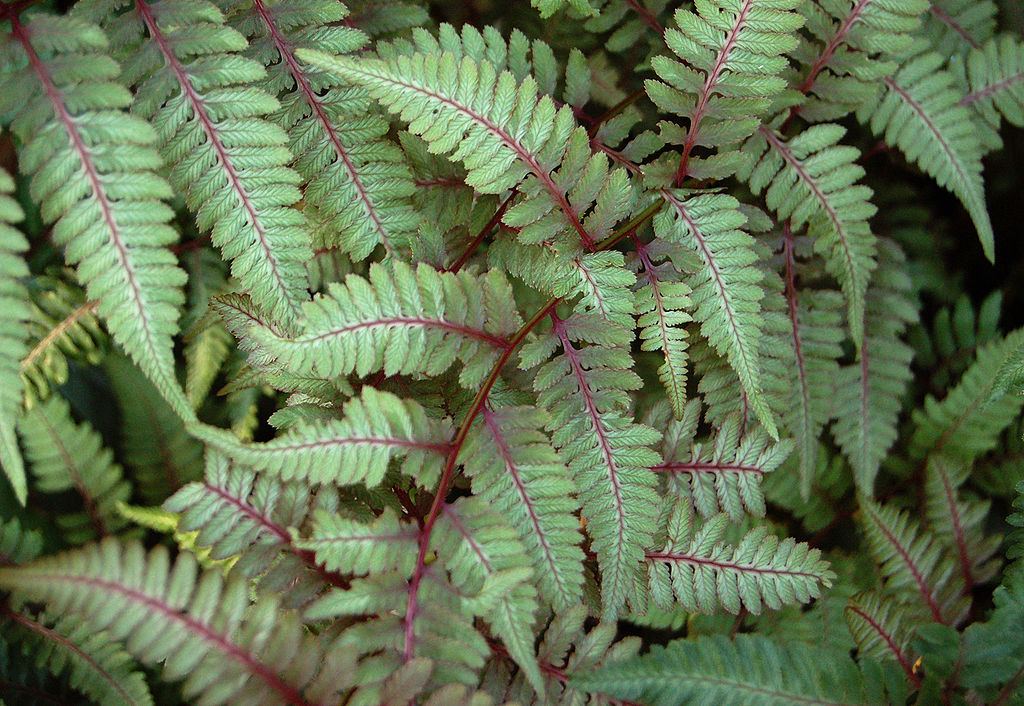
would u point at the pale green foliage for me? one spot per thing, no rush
(106, 203)
(916, 568)
(95, 664)
(731, 57)
(584, 389)
(375, 428)
(722, 474)
(225, 157)
(703, 572)
(500, 341)
(202, 629)
(967, 422)
(12, 338)
(516, 470)
(812, 180)
(400, 320)
(747, 670)
(919, 112)
(726, 295)
(358, 183)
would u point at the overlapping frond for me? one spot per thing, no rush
(813, 180)
(957, 26)
(704, 573)
(62, 326)
(878, 626)
(244, 517)
(730, 57)
(203, 629)
(957, 519)
(747, 669)
(919, 112)
(96, 177)
(993, 75)
(913, 564)
(869, 392)
(585, 390)
(375, 428)
(192, 82)
(725, 291)
(65, 455)
(720, 475)
(517, 471)
(14, 314)
(505, 135)
(357, 182)
(17, 544)
(402, 321)
(967, 422)
(360, 548)
(485, 559)
(159, 453)
(662, 304)
(94, 664)
(854, 44)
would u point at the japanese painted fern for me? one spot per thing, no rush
(359, 353)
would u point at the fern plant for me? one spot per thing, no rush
(573, 351)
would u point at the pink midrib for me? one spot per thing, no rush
(595, 418)
(652, 277)
(412, 321)
(211, 134)
(97, 185)
(513, 470)
(672, 558)
(302, 82)
(709, 259)
(922, 585)
(290, 694)
(709, 84)
(538, 171)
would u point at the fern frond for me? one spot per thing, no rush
(957, 26)
(62, 326)
(919, 112)
(1015, 519)
(13, 341)
(991, 650)
(505, 136)
(358, 182)
(993, 76)
(725, 288)
(401, 321)
(516, 470)
(957, 520)
(69, 456)
(869, 392)
(662, 304)
(967, 422)
(721, 475)
(704, 574)
(227, 159)
(375, 428)
(93, 663)
(96, 177)
(159, 453)
(812, 180)
(243, 517)
(17, 544)
(731, 55)
(358, 548)
(747, 669)
(584, 389)
(912, 562)
(200, 627)
(804, 333)
(878, 627)
(549, 7)
(854, 44)
(489, 565)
